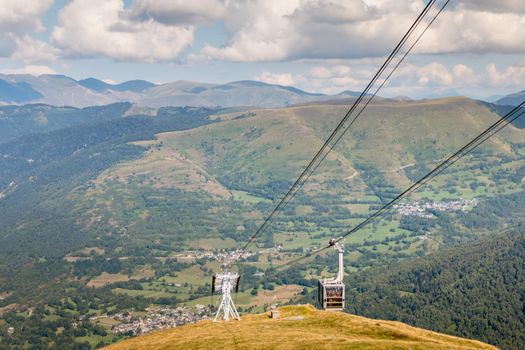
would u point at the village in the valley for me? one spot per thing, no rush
(424, 209)
(157, 319)
(226, 257)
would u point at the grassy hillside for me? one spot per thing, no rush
(300, 327)
(477, 291)
(230, 172)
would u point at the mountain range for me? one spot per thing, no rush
(60, 90)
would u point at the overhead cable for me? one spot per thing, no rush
(492, 130)
(336, 135)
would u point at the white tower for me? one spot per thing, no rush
(341, 249)
(331, 291)
(225, 283)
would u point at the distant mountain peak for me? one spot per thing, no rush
(249, 83)
(512, 99)
(17, 92)
(131, 85)
(94, 84)
(349, 93)
(134, 85)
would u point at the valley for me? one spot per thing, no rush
(132, 211)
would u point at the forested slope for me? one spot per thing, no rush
(40, 172)
(476, 291)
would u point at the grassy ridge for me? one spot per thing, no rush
(300, 327)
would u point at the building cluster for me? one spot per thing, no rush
(222, 256)
(11, 186)
(424, 209)
(157, 319)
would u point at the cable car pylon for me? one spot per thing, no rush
(226, 283)
(331, 291)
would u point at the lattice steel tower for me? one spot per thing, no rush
(225, 283)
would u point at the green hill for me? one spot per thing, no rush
(300, 327)
(19, 121)
(223, 178)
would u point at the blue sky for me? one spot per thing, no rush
(475, 48)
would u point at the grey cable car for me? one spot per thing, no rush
(331, 291)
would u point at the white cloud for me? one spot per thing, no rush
(430, 79)
(320, 72)
(109, 81)
(428, 75)
(177, 12)
(91, 28)
(466, 74)
(495, 6)
(276, 30)
(285, 79)
(333, 79)
(31, 51)
(464, 31)
(326, 79)
(33, 70)
(258, 31)
(435, 78)
(17, 18)
(20, 16)
(511, 76)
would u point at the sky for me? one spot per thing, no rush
(474, 48)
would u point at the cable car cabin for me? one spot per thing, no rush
(331, 291)
(332, 296)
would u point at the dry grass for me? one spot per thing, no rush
(281, 294)
(164, 167)
(300, 327)
(92, 250)
(212, 243)
(8, 308)
(107, 278)
(84, 254)
(74, 259)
